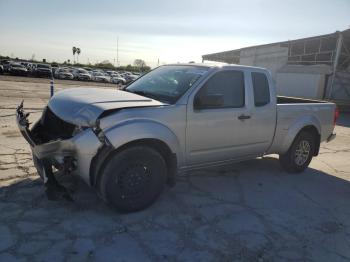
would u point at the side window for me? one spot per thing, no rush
(261, 89)
(226, 86)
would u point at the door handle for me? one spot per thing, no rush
(243, 117)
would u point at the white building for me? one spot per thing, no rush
(315, 67)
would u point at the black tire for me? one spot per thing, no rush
(298, 158)
(132, 179)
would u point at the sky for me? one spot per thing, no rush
(152, 30)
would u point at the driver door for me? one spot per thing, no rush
(213, 113)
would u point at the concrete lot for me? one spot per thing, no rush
(251, 211)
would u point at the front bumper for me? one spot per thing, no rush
(78, 150)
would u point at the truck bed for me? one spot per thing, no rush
(292, 113)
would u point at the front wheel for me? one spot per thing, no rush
(299, 155)
(133, 179)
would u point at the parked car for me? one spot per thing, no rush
(110, 72)
(129, 77)
(128, 144)
(54, 68)
(42, 70)
(17, 69)
(30, 68)
(1, 70)
(63, 73)
(87, 69)
(6, 65)
(117, 79)
(100, 77)
(81, 74)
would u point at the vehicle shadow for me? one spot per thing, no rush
(248, 210)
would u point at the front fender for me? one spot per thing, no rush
(137, 129)
(296, 127)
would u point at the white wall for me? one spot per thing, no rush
(291, 80)
(300, 85)
(272, 57)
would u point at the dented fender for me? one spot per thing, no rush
(136, 129)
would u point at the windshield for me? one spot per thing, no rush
(167, 83)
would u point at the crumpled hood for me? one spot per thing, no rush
(83, 106)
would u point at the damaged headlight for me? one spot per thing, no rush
(99, 133)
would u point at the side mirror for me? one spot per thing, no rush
(208, 101)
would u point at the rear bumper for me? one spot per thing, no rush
(331, 137)
(80, 149)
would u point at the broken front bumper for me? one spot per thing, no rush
(77, 152)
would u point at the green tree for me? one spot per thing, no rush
(74, 49)
(139, 63)
(78, 53)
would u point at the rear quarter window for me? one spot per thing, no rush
(261, 89)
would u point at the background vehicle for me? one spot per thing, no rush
(129, 77)
(117, 79)
(6, 65)
(128, 144)
(100, 77)
(63, 73)
(81, 74)
(1, 70)
(42, 70)
(17, 69)
(54, 67)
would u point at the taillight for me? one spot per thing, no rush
(336, 115)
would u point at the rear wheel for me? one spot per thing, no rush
(300, 154)
(132, 179)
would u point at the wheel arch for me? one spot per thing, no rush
(107, 151)
(307, 123)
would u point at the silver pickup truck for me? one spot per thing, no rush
(127, 144)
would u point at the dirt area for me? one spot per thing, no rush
(251, 211)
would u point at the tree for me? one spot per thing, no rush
(139, 63)
(106, 64)
(78, 53)
(74, 49)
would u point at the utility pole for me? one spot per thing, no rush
(335, 62)
(118, 51)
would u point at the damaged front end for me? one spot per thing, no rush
(57, 144)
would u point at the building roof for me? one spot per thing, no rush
(235, 53)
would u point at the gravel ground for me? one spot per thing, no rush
(251, 211)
